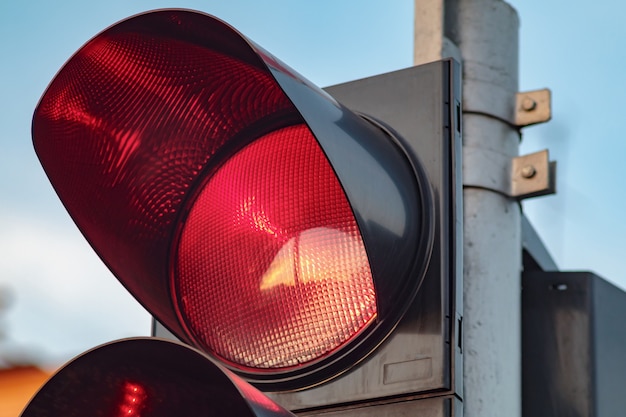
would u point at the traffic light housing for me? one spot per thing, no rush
(573, 342)
(151, 378)
(423, 355)
(305, 241)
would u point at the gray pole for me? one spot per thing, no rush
(483, 34)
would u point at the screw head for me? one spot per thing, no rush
(528, 104)
(528, 171)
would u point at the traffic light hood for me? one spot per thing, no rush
(248, 211)
(150, 378)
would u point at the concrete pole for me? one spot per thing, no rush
(483, 34)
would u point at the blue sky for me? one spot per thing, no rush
(64, 300)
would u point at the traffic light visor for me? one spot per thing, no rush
(226, 193)
(149, 378)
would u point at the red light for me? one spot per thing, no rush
(133, 400)
(271, 271)
(196, 166)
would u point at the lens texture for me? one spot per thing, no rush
(272, 271)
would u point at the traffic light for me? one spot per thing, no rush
(308, 242)
(151, 378)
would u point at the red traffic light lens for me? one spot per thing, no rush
(148, 378)
(271, 270)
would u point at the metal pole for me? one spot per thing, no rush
(484, 35)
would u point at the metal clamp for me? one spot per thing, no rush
(533, 175)
(521, 177)
(532, 107)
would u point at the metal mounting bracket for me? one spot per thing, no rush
(532, 107)
(521, 177)
(533, 175)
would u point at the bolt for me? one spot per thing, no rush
(528, 171)
(528, 104)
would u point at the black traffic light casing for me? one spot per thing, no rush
(423, 356)
(309, 242)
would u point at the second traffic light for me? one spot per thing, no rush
(151, 378)
(259, 219)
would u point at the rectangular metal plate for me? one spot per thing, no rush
(573, 345)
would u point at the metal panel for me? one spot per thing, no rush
(574, 345)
